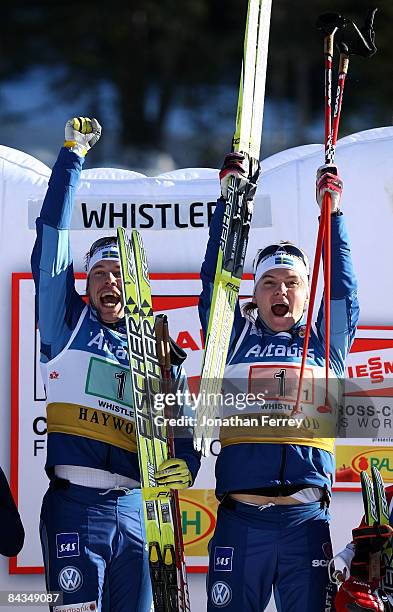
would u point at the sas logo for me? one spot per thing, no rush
(67, 545)
(381, 458)
(223, 556)
(70, 579)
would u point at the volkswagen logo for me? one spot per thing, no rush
(221, 594)
(70, 579)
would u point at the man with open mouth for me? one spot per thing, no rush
(92, 527)
(274, 483)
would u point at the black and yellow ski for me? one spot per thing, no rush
(382, 509)
(376, 512)
(237, 216)
(150, 434)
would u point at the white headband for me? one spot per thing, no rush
(280, 259)
(110, 251)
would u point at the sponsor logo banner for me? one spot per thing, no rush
(88, 606)
(351, 460)
(198, 509)
(95, 214)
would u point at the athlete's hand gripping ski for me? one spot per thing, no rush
(81, 134)
(174, 473)
(239, 166)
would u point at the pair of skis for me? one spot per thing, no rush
(376, 512)
(237, 218)
(160, 504)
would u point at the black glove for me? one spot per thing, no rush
(247, 170)
(368, 540)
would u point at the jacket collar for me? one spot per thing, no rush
(293, 332)
(119, 326)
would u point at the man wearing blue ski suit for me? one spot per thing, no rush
(92, 528)
(274, 483)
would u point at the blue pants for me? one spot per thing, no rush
(284, 548)
(94, 548)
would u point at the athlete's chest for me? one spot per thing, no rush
(255, 347)
(100, 341)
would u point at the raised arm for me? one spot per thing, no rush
(234, 165)
(58, 305)
(344, 306)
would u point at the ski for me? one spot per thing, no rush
(374, 502)
(164, 358)
(370, 509)
(151, 439)
(371, 518)
(237, 216)
(382, 508)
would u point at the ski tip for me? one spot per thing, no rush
(377, 477)
(375, 471)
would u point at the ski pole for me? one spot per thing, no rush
(353, 42)
(328, 23)
(330, 152)
(164, 358)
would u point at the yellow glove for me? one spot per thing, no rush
(81, 133)
(174, 473)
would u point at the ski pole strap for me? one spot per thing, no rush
(328, 24)
(358, 41)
